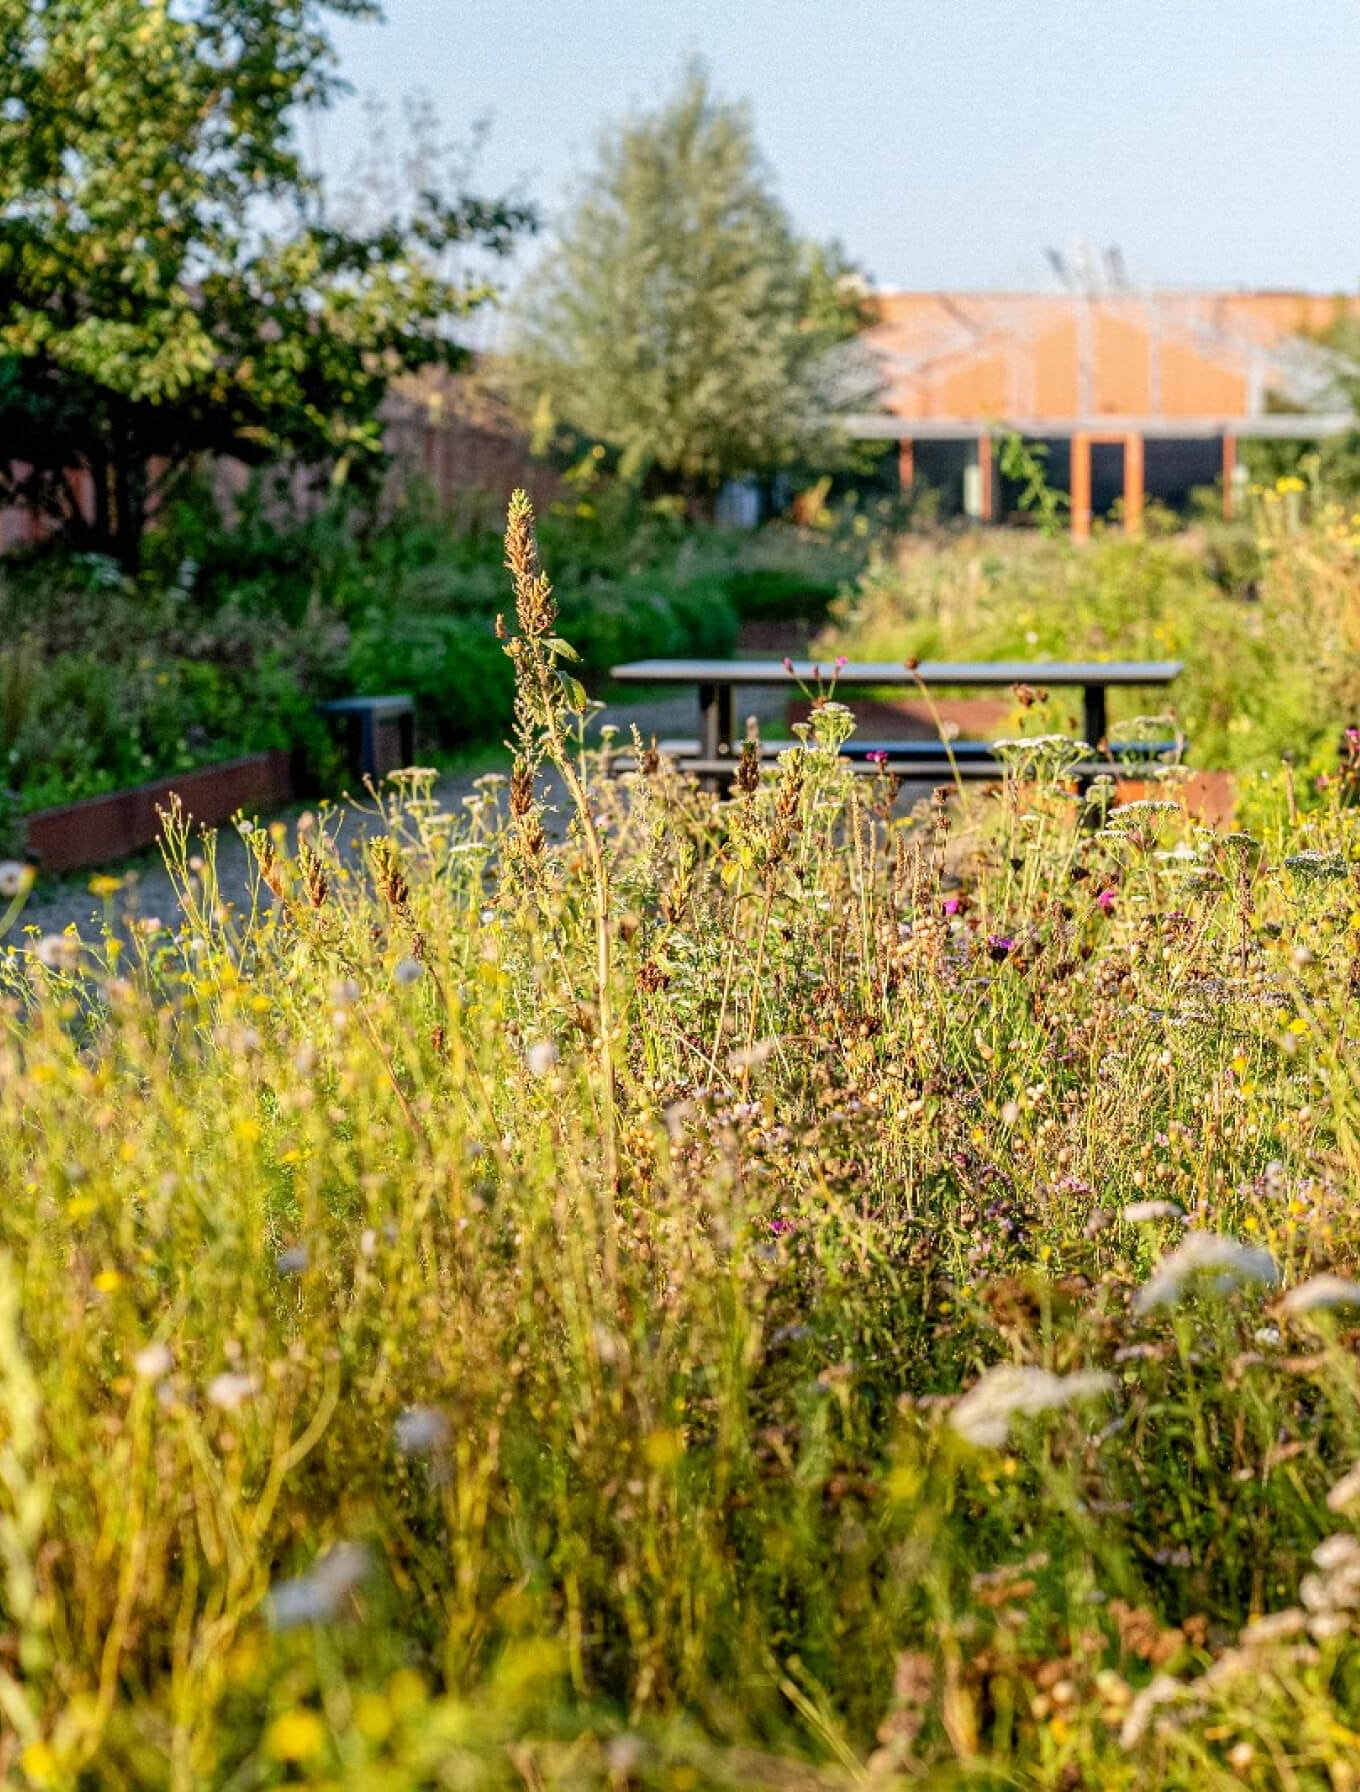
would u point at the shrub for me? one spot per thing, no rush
(1270, 664)
(453, 665)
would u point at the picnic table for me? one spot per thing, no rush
(718, 681)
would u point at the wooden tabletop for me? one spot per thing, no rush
(936, 672)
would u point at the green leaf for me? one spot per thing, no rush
(575, 692)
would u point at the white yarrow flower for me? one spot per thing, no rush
(1346, 1492)
(1161, 1691)
(1010, 1390)
(540, 1057)
(1137, 1212)
(1227, 1260)
(15, 878)
(231, 1390)
(1321, 1293)
(153, 1361)
(57, 951)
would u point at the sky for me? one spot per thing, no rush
(945, 143)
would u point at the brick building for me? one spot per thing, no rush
(1133, 394)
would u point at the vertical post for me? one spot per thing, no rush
(1081, 487)
(1229, 473)
(906, 464)
(1133, 485)
(725, 708)
(708, 721)
(986, 480)
(1095, 722)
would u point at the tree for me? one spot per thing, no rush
(170, 286)
(677, 317)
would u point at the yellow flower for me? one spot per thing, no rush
(406, 1691)
(372, 1717)
(39, 1763)
(105, 886)
(663, 1449)
(296, 1736)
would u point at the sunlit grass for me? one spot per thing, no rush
(693, 1291)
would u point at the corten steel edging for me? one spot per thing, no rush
(75, 836)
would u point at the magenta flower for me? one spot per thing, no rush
(1106, 900)
(878, 758)
(999, 947)
(952, 905)
(843, 660)
(787, 664)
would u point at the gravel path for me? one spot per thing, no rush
(58, 903)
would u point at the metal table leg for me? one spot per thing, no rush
(1096, 720)
(726, 697)
(708, 721)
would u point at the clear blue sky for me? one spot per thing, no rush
(945, 142)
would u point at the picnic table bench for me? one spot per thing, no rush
(717, 681)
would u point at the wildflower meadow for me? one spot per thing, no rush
(627, 1286)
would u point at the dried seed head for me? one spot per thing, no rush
(314, 879)
(270, 869)
(790, 787)
(748, 770)
(388, 875)
(521, 790)
(534, 606)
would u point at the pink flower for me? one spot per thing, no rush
(952, 905)
(1106, 900)
(843, 660)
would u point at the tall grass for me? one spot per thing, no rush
(1265, 616)
(863, 1326)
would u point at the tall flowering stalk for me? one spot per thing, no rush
(545, 694)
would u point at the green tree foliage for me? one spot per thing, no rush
(677, 317)
(169, 283)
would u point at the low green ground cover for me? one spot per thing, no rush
(692, 1291)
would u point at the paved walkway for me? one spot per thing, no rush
(147, 890)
